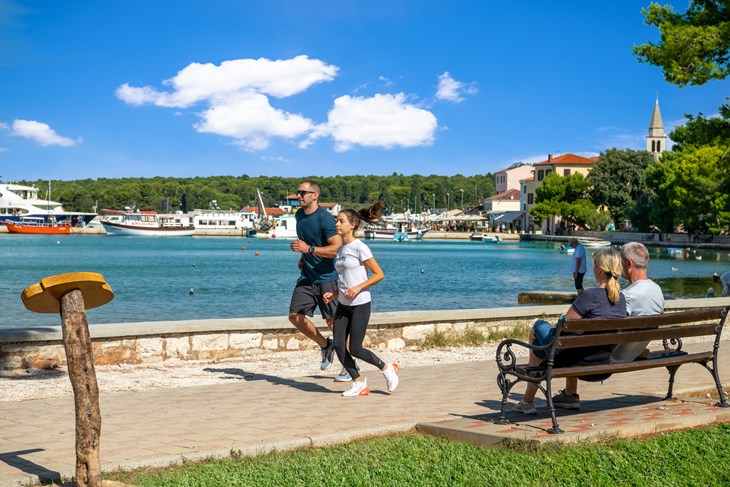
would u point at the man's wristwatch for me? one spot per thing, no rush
(311, 249)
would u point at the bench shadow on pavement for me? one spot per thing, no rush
(241, 374)
(612, 403)
(15, 459)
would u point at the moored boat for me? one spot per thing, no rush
(147, 224)
(37, 226)
(285, 227)
(19, 201)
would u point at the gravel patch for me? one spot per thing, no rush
(28, 384)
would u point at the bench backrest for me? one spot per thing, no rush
(667, 326)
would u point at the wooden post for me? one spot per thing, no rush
(70, 295)
(79, 357)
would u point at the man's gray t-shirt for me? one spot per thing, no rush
(643, 298)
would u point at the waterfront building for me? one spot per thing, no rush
(509, 178)
(563, 165)
(504, 208)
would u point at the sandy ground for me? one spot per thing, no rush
(27, 384)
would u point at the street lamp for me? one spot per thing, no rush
(433, 208)
(448, 201)
(462, 199)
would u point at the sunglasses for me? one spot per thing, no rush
(301, 192)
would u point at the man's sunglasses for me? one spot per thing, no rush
(301, 192)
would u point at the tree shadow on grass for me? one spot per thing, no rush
(250, 376)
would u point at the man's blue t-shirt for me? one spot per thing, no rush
(315, 229)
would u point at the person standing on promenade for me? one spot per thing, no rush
(604, 301)
(317, 241)
(579, 266)
(354, 260)
(643, 296)
(724, 279)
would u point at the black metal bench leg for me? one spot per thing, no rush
(723, 403)
(505, 385)
(555, 430)
(672, 371)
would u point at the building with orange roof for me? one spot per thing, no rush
(563, 165)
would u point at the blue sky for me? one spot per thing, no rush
(293, 88)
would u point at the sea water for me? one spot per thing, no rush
(161, 279)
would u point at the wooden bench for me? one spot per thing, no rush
(669, 328)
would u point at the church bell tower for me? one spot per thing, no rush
(656, 141)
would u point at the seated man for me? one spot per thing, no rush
(724, 280)
(643, 296)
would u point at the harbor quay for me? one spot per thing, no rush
(254, 414)
(219, 339)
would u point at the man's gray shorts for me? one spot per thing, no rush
(307, 296)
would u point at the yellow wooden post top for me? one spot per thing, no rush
(45, 296)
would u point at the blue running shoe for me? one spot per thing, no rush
(344, 376)
(327, 353)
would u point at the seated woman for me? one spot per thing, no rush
(604, 301)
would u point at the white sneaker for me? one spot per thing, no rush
(524, 407)
(358, 388)
(391, 376)
(343, 376)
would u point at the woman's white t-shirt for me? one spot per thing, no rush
(349, 266)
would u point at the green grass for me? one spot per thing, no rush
(695, 457)
(471, 337)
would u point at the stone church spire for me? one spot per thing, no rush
(656, 141)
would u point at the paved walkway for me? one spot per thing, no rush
(259, 413)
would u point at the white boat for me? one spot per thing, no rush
(213, 220)
(18, 201)
(285, 227)
(147, 223)
(483, 237)
(592, 244)
(392, 232)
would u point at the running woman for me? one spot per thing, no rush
(353, 261)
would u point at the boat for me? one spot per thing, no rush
(37, 226)
(19, 201)
(214, 220)
(284, 227)
(147, 223)
(483, 237)
(591, 244)
(566, 250)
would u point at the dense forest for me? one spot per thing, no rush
(399, 192)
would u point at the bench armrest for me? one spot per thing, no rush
(505, 356)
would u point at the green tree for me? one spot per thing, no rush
(619, 180)
(694, 46)
(567, 197)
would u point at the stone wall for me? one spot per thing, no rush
(158, 342)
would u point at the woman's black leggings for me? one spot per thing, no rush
(352, 322)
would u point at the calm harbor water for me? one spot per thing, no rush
(152, 277)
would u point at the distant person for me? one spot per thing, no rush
(724, 279)
(643, 296)
(354, 260)
(317, 241)
(604, 301)
(579, 266)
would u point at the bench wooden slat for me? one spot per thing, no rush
(632, 322)
(575, 341)
(576, 371)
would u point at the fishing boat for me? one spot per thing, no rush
(37, 226)
(483, 237)
(19, 201)
(215, 220)
(147, 223)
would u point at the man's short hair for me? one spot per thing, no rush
(572, 241)
(637, 253)
(313, 186)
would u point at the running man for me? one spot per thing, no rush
(317, 241)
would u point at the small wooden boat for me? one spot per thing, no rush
(36, 226)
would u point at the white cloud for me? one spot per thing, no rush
(237, 94)
(3, 126)
(252, 121)
(450, 89)
(41, 133)
(3, 149)
(382, 120)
